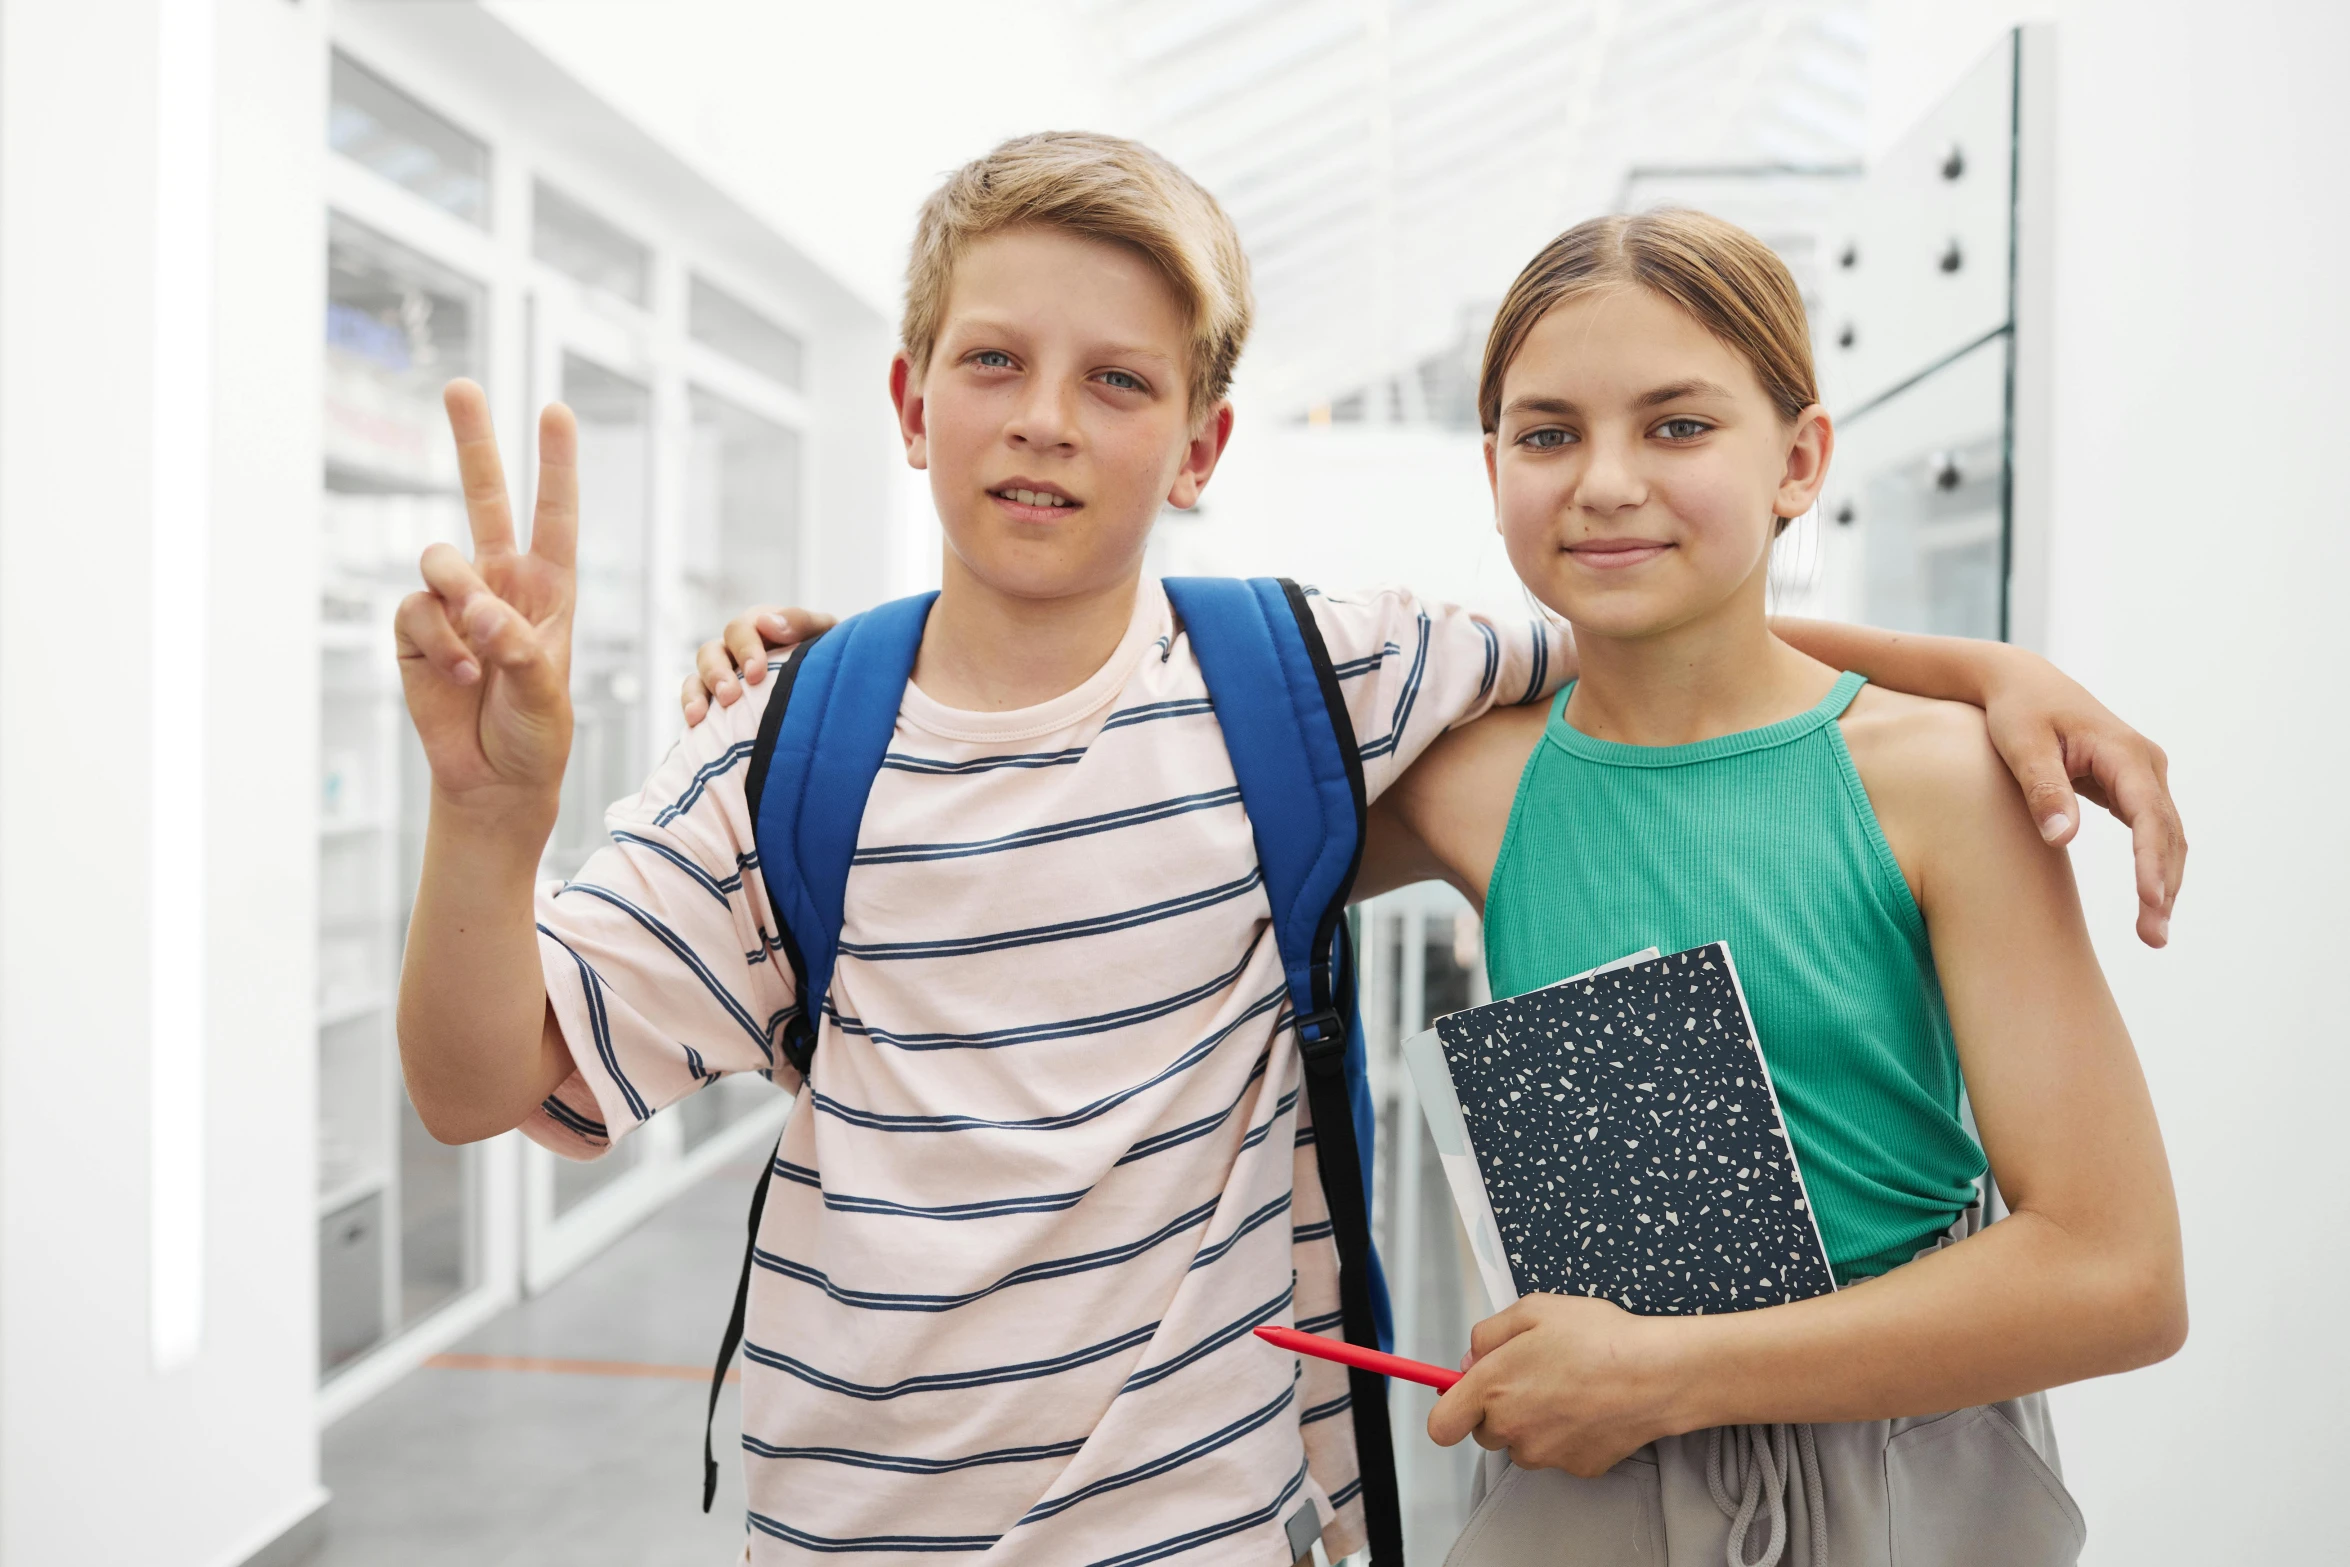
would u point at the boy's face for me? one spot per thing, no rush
(1054, 415)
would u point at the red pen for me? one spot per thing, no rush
(1355, 1355)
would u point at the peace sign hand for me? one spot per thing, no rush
(485, 649)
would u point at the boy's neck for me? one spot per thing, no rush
(1715, 676)
(988, 651)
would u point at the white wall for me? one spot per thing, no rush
(2199, 553)
(102, 1459)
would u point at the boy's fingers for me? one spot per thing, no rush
(787, 627)
(2037, 761)
(714, 672)
(2158, 839)
(554, 526)
(452, 577)
(746, 651)
(421, 630)
(487, 508)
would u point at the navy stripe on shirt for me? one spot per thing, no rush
(717, 767)
(591, 984)
(1048, 1202)
(951, 1381)
(1053, 832)
(1067, 930)
(1031, 1273)
(905, 1464)
(678, 948)
(1233, 1331)
(1175, 1545)
(1166, 1463)
(874, 1120)
(1404, 699)
(1037, 1033)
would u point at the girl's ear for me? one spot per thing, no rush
(907, 397)
(1493, 477)
(1807, 463)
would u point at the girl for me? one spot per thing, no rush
(1651, 423)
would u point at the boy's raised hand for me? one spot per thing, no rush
(485, 649)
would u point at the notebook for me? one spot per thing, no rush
(1617, 1135)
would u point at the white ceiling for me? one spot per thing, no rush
(1392, 163)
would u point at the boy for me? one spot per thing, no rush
(1053, 1165)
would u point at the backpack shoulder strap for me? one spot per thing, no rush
(827, 726)
(1294, 754)
(821, 741)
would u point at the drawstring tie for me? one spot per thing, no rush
(1747, 1469)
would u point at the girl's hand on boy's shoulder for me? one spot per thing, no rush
(1562, 1382)
(737, 656)
(2060, 741)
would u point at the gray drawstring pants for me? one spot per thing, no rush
(1976, 1487)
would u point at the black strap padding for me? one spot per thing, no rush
(1336, 1153)
(755, 789)
(734, 1325)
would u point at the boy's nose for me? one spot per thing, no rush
(1044, 418)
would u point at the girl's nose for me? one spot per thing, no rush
(1610, 480)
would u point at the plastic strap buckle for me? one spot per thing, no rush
(799, 1042)
(1321, 1038)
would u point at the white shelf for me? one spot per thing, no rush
(351, 1011)
(351, 826)
(335, 1198)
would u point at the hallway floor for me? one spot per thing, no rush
(478, 1461)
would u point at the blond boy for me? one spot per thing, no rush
(1052, 1163)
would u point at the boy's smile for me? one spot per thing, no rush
(1033, 500)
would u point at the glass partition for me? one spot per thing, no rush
(716, 319)
(396, 1228)
(381, 128)
(580, 244)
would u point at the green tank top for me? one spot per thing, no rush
(1766, 840)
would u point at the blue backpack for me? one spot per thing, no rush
(1275, 695)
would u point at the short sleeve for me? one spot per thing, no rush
(1411, 670)
(661, 961)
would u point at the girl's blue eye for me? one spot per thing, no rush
(1123, 381)
(1545, 440)
(1683, 429)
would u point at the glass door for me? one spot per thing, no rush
(603, 370)
(398, 1211)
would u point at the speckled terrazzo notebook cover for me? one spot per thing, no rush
(1629, 1141)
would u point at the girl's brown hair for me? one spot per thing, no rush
(1728, 280)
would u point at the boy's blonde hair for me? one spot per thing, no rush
(1733, 284)
(1102, 188)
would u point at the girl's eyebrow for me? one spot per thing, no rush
(1556, 407)
(1677, 390)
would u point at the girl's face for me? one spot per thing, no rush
(1639, 468)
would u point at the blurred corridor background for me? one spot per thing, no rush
(2073, 276)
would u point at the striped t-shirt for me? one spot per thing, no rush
(1053, 1163)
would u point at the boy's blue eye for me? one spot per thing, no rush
(1682, 429)
(1123, 381)
(993, 359)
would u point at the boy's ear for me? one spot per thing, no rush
(908, 399)
(1200, 458)
(1807, 463)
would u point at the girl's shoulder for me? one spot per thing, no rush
(1934, 779)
